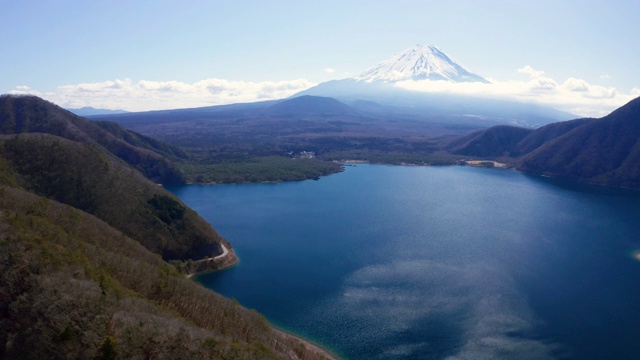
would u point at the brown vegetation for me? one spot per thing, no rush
(29, 114)
(74, 287)
(78, 274)
(94, 181)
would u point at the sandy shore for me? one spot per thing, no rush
(480, 163)
(323, 353)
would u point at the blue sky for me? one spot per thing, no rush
(141, 55)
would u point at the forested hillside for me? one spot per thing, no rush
(80, 175)
(82, 240)
(29, 114)
(74, 287)
(602, 151)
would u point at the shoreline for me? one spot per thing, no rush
(472, 163)
(226, 263)
(308, 344)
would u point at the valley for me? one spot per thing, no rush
(369, 118)
(243, 144)
(309, 136)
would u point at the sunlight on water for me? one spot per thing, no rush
(383, 262)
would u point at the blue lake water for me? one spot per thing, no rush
(391, 262)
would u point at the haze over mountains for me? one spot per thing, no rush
(372, 118)
(334, 130)
(385, 84)
(88, 111)
(367, 117)
(385, 91)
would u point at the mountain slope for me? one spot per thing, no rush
(419, 63)
(88, 111)
(137, 119)
(78, 171)
(96, 182)
(545, 134)
(74, 287)
(77, 279)
(29, 114)
(602, 151)
(310, 105)
(495, 141)
(385, 84)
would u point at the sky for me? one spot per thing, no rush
(575, 55)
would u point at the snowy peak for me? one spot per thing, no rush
(419, 63)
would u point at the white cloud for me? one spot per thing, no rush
(157, 95)
(329, 71)
(530, 71)
(573, 95)
(573, 84)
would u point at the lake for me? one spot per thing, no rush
(394, 262)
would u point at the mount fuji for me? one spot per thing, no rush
(374, 92)
(419, 63)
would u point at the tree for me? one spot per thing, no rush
(107, 350)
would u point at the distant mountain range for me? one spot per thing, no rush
(379, 84)
(305, 123)
(375, 93)
(602, 151)
(88, 111)
(309, 105)
(368, 115)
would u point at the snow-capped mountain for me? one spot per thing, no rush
(419, 63)
(375, 92)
